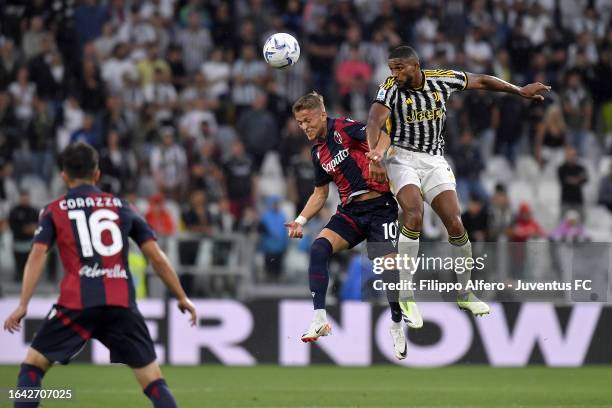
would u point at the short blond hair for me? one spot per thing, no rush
(311, 100)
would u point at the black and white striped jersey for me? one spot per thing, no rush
(418, 115)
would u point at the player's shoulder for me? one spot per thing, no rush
(388, 83)
(442, 74)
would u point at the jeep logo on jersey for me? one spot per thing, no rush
(338, 158)
(337, 137)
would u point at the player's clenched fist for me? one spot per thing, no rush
(294, 230)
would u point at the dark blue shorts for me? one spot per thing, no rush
(122, 330)
(373, 220)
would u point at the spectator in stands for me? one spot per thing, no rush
(551, 136)
(605, 190)
(33, 38)
(115, 68)
(168, 164)
(248, 73)
(238, 170)
(177, 68)
(217, 74)
(88, 132)
(570, 229)
(49, 73)
(468, 166)
(476, 220)
(9, 63)
(159, 217)
(23, 219)
(572, 176)
(577, 110)
(274, 240)
(196, 217)
(118, 166)
(258, 129)
(41, 145)
(300, 177)
(195, 41)
(525, 227)
(90, 88)
(500, 214)
(161, 96)
(23, 92)
(9, 127)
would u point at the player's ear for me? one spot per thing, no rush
(97, 176)
(64, 177)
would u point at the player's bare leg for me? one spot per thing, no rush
(324, 246)
(446, 205)
(411, 201)
(154, 386)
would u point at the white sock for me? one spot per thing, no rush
(408, 248)
(320, 315)
(396, 325)
(463, 251)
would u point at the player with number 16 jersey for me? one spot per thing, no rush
(97, 297)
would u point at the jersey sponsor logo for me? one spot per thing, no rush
(421, 116)
(338, 158)
(337, 137)
(89, 202)
(95, 271)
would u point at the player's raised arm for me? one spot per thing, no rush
(165, 271)
(491, 83)
(33, 269)
(315, 202)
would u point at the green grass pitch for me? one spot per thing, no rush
(329, 386)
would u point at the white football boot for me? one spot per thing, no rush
(318, 328)
(411, 314)
(400, 345)
(471, 303)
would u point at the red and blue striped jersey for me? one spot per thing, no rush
(341, 158)
(91, 229)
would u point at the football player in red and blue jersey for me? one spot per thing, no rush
(367, 211)
(97, 297)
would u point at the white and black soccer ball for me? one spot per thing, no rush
(281, 50)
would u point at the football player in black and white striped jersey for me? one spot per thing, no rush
(411, 103)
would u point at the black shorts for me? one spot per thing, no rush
(374, 220)
(122, 330)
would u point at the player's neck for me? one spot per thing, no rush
(79, 183)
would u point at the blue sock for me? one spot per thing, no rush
(160, 395)
(30, 376)
(318, 275)
(392, 276)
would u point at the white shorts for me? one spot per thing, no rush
(432, 174)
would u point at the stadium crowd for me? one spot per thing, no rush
(196, 129)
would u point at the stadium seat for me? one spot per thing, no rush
(521, 191)
(271, 181)
(498, 169)
(37, 188)
(604, 165)
(527, 168)
(598, 221)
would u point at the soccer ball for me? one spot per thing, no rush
(281, 50)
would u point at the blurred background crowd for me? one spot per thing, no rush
(196, 130)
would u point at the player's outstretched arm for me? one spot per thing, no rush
(165, 271)
(313, 206)
(491, 83)
(31, 274)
